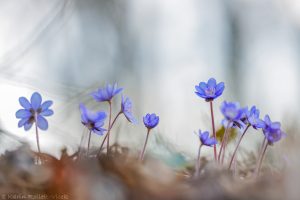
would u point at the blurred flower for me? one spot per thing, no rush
(233, 114)
(151, 120)
(106, 93)
(94, 121)
(126, 109)
(210, 90)
(272, 130)
(34, 112)
(252, 118)
(205, 139)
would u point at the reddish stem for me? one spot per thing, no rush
(213, 128)
(109, 126)
(144, 148)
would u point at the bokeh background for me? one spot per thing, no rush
(157, 51)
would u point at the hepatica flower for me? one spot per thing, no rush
(205, 139)
(210, 90)
(151, 120)
(94, 121)
(106, 93)
(252, 118)
(232, 113)
(34, 112)
(126, 109)
(272, 130)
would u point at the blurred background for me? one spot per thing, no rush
(157, 51)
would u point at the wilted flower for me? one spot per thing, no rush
(210, 90)
(151, 120)
(205, 139)
(34, 112)
(94, 121)
(106, 93)
(126, 109)
(272, 130)
(232, 113)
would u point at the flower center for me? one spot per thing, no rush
(210, 91)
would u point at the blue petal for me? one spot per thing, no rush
(22, 122)
(201, 95)
(27, 126)
(204, 135)
(36, 100)
(24, 103)
(211, 83)
(23, 113)
(42, 123)
(46, 105)
(48, 112)
(84, 117)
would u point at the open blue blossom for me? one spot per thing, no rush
(232, 113)
(210, 90)
(126, 109)
(205, 139)
(272, 130)
(251, 117)
(94, 121)
(151, 120)
(34, 112)
(106, 93)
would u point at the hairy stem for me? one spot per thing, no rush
(258, 166)
(109, 127)
(223, 141)
(237, 146)
(213, 128)
(144, 148)
(108, 132)
(197, 166)
(88, 148)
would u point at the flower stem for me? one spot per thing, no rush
(109, 126)
(88, 148)
(237, 146)
(213, 128)
(108, 132)
(262, 153)
(223, 141)
(144, 148)
(197, 167)
(37, 139)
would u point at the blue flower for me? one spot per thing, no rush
(106, 93)
(272, 130)
(34, 112)
(126, 109)
(252, 118)
(94, 121)
(210, 90)
(205, 139)
(232, 113)
(151, 120)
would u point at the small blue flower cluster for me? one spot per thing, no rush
(235, 116)
(34, 112)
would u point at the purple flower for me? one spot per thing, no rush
(252, 118)
(210, 90)
(272, 130)
(232, 113)
(151, 120)
(94, 121)
(205, 139)
(106, 93)
(126, 109)
(34, 112)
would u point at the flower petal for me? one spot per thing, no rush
(42, 122)
(46, 105)
(27, 126)
(211, 83)
(48, 112)
(24, 103)
(22, 122)
(36, 100)
(23, 113)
